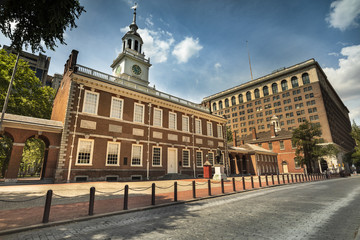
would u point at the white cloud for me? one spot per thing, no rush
(186, 49)
(217, 65)
(333, 54)
(149, 22)
(344, 14)
(345, 79)
(156, 45)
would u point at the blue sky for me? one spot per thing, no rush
(198, 48)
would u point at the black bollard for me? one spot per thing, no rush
(209, 187)
(153, 194)
(278, 179)
(252, 182)
(222, 186)
(194, 189)
(272, 179)
(47, 206)
(292, 178)
(244, 184)
(260, 181)
(175, 191)
(91, 201)
(126, 197)
(267, 181)
(234, 186)
(283, 177)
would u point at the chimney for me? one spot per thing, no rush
(234, 138)
(272, 130)
(71, 62)
(253, 132)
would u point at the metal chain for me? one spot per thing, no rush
(110, 192)
(27, 200)
(139, 189)
(164, 187)
(184, 185)
(57, 195)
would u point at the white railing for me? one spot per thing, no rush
(138, 87)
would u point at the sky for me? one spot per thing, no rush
(198, 48)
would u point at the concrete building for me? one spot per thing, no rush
(38, 63)
(294, 94)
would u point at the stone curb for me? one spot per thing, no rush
(80, 219)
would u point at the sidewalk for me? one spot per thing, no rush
(23, 205)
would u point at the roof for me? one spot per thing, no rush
(31, 123)
(266, 136)
(248, 148)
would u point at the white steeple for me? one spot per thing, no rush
(131, 62)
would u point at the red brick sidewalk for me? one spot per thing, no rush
(22, 217)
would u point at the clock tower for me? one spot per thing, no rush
(131, 63)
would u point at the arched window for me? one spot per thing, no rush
(284, 85)
(136, 45)
(214, 106)
(248, 96)
(266, 91)
(305, 78)
(294, 82)
(241, 100)
(274, 88)
(220, 105)
(226, 103)
(233, 101)
(257, 93)
(129, 43)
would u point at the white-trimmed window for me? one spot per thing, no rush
(186, 158)
(198, 126)
(91, 102)
(209, 129)
(85, 151)
(158, 113)
(156, 157)
(136, 155)
(172, 120)
(113, 154)
(211, 158)
(219, 131)
(185, 123)
(116, 108)
(139, 113)
(199, 159)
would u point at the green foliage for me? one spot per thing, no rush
(32, 158)
(309, 147)
(27, 97)
(355, 133)
(229, 135)
(32, 22)
(5, 151)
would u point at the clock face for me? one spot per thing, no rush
(136, 69)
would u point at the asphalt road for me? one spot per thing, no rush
(318, 210)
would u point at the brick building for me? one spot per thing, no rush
(117, 127)
(294, 94)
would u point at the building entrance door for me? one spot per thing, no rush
(285, 167)
(172, 160)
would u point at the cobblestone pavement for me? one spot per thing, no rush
(316, 210)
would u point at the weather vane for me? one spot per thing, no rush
(134, 7)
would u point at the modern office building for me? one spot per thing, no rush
(294, 94)
(38, 63)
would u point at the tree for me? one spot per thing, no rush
(28, 97)
(32, 157)
(32, 22)
(355, 133)
(229, 134)
(309, 147)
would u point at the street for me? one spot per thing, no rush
(316, 210)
